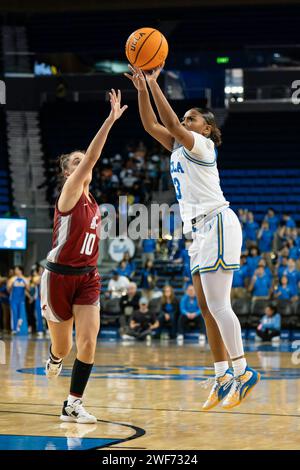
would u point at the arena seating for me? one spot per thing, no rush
(248, 310)
(67, 126)
(5, 191)
(91, 32)
(255, 140)
(260, 189)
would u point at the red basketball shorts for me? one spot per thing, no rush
(59, 292)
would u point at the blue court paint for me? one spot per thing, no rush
(172, 372)
(16, 442)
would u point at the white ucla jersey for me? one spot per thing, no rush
(196, 180)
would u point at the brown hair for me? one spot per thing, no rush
(63, 161)
(209, 117)
(172, 296)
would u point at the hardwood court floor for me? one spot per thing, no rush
(147, 397)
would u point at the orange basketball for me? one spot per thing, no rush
(146, 48)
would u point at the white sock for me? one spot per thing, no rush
(217, 288)
(71, 399)
(239, 366)
(54, 359)
(220, 368)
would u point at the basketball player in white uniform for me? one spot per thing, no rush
(217, 238)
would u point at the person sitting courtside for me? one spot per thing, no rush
(270, 325)
(190, 315)
(142, 322)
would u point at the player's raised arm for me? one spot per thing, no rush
(81, 176)
(148, 117)
(167, 115)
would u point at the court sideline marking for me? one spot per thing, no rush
(149, 409)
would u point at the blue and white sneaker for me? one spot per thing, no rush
(241, 387)
(219, 391)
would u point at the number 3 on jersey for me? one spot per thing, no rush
(177, 188)
(88, 244)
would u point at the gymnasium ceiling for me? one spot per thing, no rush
(77, 5)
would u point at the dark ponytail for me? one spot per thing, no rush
(209, 117)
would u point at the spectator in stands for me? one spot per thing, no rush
(148, 248)
(118, 285)
(284, 291)
(265, 238)
(284, 251)
(17, 286)
(251, 228)
(240, 280)
(127, 176)
(260, 285)
(129, 303)
(270, 325)
(293, 275)
(295, 237)
(33, 302)
(153, 172)
(117, 164)
(187, 276)
(30, 302)
(272, 219)
(139, 156)
(244, 239)
(142, 322)
(242, 215)
(139, 193)
(182, 253)
(280, 240)
(253, 260)
(148, 279)
(262, 263)
(173, 249)
(288, 221)
(168, 317)
(294, 251)
(130, 263)
(282, 265)
(125, 269)
(4, 306)
(190, 315)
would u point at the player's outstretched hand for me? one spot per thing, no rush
(152, 75)
(137, 78)
(116, 110)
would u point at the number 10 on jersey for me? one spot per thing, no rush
(88, 244)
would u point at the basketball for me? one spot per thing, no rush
(146, 48)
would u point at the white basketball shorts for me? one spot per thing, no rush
(216, 243)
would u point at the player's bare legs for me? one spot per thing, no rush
(61, 345)
(87, 324)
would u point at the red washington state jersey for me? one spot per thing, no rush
(76, 234)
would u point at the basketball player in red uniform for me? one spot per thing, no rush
(70, 285)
